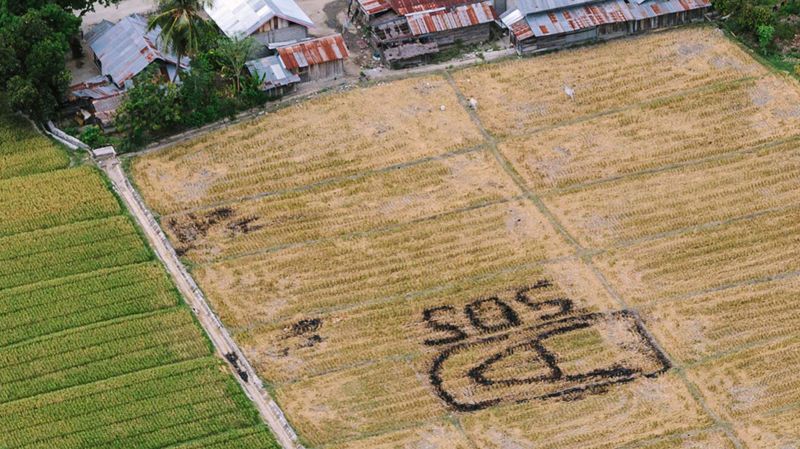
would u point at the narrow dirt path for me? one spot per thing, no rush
(224, 344)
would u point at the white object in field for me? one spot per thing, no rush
(442, 108)
(473, 103)
(570, 92)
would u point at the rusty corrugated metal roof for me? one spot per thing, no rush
(451, 18)
(127, 48)
(405, 7)
(95, 88)
(567, 20)
(313, 51)
(372, 7)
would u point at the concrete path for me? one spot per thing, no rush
(224, 344)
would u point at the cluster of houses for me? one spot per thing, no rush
(287, 55)
(401, 32)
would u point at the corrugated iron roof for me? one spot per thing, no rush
(568, 20)
(97, 31)
(313, 51)
(405, 7)
(105, 108)
(451, 18)
(536, 6)
(127, 48)
(244, 17)
(272, 71)
(372, 7)
(95, 88)
(649, 9)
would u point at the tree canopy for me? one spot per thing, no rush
(33, 44)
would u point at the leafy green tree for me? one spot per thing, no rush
(150, 108)
(80, 7)
(33, 74)
(765, 33)
(182, 27)
(234, 52)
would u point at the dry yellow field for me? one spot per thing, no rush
(330, 137)
(618, 271)
(520, 97)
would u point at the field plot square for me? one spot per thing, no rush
(402, 260)
(609, 213)
(705, 440)
(520, 96)
(311, 345)
(24, 152)
(361, 130)
(701, 326)
(704, 258)
(357, 401)
(637, 411)
(353, 205)
(439, 435)
(30, 203)
(776, 429)
(756, 382)
(722, 119)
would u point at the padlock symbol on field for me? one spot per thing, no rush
(565, 353)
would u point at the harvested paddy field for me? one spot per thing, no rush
(615, 271)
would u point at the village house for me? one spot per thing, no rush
(274, 78)
(267, 21)
(94, 101)
(316, 59)
(540, 25)
(121, 51)
(409, 32)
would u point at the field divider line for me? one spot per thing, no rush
(692, 228)
(673, 436)
(222, 341)
(365, 435)
(581, 252)
(678, 165)
(402, 296)
(641, 104)
(719, 288)
(787, 408)
(754, 344)
(329, 181)
(408, 357)
(349, 235)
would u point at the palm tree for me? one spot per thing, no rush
(182, 27)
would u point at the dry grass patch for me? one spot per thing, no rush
(348, 206)
(313, 344)
(329, 137)
(705, 258)
(623, 210)
(705, 440)
(517, 96)
(439, 435)
(358, 401)
(724, 119)
(772, 430)
(697, 327)
(752, 382)
(637, 411)
(402, 260)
